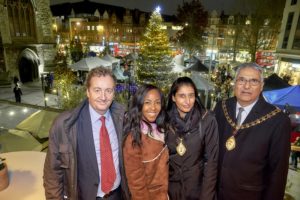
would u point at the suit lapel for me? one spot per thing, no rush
(256, 111)
(231, 108)
(89, 144)
(117, 120)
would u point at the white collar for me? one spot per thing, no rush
(248, 108)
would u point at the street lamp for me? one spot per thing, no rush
(214, 40)
(44, 89)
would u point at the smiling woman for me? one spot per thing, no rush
(144, 151)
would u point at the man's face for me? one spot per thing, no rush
(101, 93)
(248, 86)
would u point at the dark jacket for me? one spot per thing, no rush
(18, 92)
(146, 168)
(60, 169)
(193, 175)
(256, 169)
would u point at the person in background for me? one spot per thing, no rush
(15, 80)
(85, 146)
(192, 139)
(254, 141)
(18, 92)
(51, 79)
(144, 151)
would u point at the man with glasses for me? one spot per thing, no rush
(83, 159)
(254, 141)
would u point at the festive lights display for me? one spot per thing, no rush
(153, 65)
(222, 80)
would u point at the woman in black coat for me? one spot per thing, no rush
(193, 144)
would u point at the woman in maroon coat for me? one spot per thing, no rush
(193, 144)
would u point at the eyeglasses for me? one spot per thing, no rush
(252, 82)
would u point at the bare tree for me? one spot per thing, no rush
(193, 18)
(262, 25)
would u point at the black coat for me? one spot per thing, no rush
(18, 92)
(193, 175)
(256, 169)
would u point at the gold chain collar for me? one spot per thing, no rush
(250, 124)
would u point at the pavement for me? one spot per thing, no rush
(32, 94)
(33, 99)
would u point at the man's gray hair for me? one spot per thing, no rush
(250, 65)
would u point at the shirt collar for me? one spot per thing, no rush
(95, 117)
(248, 108)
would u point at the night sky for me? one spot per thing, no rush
(167, 6)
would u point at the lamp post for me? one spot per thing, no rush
(211, 54)
(212, 34)
(206, 36)
(44, 89)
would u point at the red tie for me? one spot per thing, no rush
(108, 173)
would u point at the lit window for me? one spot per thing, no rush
(177, 28)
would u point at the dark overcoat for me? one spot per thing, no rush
(63, 158)
(256, 169)
(193, 175)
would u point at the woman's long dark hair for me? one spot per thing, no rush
(135, 115)
(196, 112)
(175, 87)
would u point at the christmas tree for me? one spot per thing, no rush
(154, 63)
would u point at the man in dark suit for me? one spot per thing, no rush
(83, 161)
(254, 142)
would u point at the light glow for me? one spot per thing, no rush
(157, 9)
(11, 113)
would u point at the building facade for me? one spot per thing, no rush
(98, 25)
(26, 42)
(288, 48)
(227, 39)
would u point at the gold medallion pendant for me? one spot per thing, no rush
(180, 147)
(230, 143)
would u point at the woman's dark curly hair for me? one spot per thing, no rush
(135, 116)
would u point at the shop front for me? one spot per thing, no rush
(289, 70)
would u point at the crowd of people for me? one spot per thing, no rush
(170, 148)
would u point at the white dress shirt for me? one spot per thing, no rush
(246, 110)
